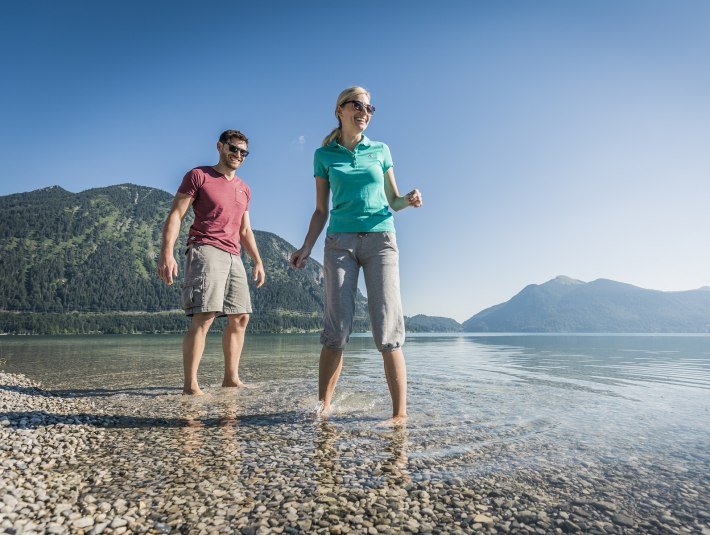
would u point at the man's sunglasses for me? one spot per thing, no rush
(233, 148)
(359, 105)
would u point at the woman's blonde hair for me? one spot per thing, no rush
(345, 95)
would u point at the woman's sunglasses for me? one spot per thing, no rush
(359, 105)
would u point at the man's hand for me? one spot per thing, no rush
(167, 268)
(258, 274)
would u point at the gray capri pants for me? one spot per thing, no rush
(377, 254)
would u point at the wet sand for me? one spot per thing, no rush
(81, 463)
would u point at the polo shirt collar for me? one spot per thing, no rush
(365, 142)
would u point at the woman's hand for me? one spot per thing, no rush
(414, 198)
(298, 258)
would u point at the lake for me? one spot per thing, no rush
(614, 426)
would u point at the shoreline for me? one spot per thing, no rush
(121, 464)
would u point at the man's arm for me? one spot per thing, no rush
(167, 266)
(246, 236)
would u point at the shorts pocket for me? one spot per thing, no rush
(193, 292)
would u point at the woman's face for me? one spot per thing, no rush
(353, 119)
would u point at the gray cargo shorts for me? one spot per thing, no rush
(377, 254)
(215, 281)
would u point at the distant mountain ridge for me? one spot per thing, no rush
(431, 324)
(564, 304)
(86, 262)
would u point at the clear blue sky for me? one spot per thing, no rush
(548, 137)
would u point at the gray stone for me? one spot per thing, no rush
(118, 522)
(624, 520)
(483, 519)
(83, 522)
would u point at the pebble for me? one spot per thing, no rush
(624, 520)
(118, 522)
(83, 522)
(483, 519)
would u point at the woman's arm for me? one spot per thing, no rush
(246, 236)
(318, 221)
(397, 202)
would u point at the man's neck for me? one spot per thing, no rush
(224, 170)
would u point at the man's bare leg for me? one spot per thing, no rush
(232, 344)
(396, 373)
(193, 345)
(329, 367)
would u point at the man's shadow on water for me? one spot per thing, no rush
(149, 391)
(36, 419)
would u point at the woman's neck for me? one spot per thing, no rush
(349, 140)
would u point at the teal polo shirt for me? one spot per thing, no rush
(357, 184)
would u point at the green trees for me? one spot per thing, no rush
(86, 262)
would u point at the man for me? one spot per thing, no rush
(215, 280)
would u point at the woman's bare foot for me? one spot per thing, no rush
(399, 420)
(323, 411)
(395, 421)
(192, 391)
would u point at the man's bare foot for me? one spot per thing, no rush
(235, 384)
(192, 391)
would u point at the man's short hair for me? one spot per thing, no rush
(229, 134)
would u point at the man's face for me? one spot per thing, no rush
(232, 153)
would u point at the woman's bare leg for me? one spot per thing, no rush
(329, 366)
(396, 373)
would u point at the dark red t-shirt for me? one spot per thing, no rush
(219, 206)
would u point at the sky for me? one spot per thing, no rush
(548, 138)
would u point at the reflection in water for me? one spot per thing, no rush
(201, 427)
(395, 463)
(334, 447)
(327, 465)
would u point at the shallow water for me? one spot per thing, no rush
(477, 403)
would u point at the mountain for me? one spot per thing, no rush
(86, 262)
(568, 305)
(431, 324)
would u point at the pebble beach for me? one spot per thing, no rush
(105, 464)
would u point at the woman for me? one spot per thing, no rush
(359, 173)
